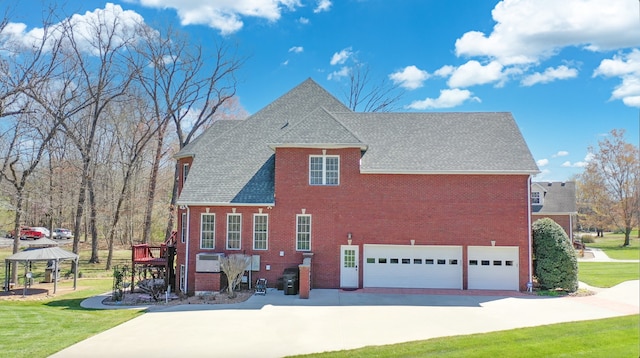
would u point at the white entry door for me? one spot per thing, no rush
(349, 266)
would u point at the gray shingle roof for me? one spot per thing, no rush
(557, 197)
(236, 166)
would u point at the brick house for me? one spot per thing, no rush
(557, 201)
(425, 200)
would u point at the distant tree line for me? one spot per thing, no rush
(92, 108)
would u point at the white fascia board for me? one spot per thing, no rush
(318, 145)
(449, 172)
(186, 203)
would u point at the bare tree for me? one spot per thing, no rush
(364, 95)
(611, 179)
(186, 89)
(133, 133)
(24, 66)
(99, 45)
(234, 266)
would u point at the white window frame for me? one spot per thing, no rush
(185, 172)
(208, 231)
(265, 232)
(183, 228)
(237, 232)
(301, 234)
(539, 197)
(182, 277)
(324, 171)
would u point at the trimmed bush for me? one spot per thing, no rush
(556, 266)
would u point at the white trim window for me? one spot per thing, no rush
(324, 170)
(303, 232)
(536, 198)
(182, 278)
(260, 231)
(185, 172)
(183, 228)
(234, 229)
(208, 231)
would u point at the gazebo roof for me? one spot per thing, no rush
(43, 254)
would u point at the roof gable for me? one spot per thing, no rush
(318, 128)
(558, 197)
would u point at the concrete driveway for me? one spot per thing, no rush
(276, 325)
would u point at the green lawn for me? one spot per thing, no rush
(41, 328)
(611, 244)
(611, 337)
(607, 274)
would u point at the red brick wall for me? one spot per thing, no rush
(376, 209)
(562, 220)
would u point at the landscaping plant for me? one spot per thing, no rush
(555, 263)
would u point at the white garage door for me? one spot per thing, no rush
(412, 266)
(493, 268)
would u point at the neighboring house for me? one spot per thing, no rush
(416, 200)
(557, 201)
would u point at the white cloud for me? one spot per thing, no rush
(528, 31)
(580, 164)
(224, 15)
(336, 75)
(296, 49)
(448, 98)
(562, 153)
(542, 162)
(303, 20)
(474, 73)
(411, 77)
(445, 71)
(627, 67)
(341, 57)
(323, 5)
(118, 24)
(549, 75)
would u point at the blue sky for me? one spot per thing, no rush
(569, 70)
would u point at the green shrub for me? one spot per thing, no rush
(588, 239)
(555, 265)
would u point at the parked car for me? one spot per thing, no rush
(34, 233)
(61, 233)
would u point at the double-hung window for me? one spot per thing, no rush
(183, 226)
(535, 198)
(324, 170)
(208, 231)
(234, 228)
(260, 231)
(185, 172)
(303, 232)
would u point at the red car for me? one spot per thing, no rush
(34, 233)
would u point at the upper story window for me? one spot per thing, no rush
(234, 228)
(536, 199)
(208, 231)
(185, 172)
(303, 232)
(260, 231)
(324, 170)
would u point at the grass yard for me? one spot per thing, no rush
(611, 244)
(39, 328)
(607, 274)
(86, 269)
(611, 337)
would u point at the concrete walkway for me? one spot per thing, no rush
(276, 325)
(597, 255)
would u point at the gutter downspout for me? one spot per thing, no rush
(530, 282)
(186, 257)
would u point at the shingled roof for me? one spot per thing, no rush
(557, 198)
(235, 165)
